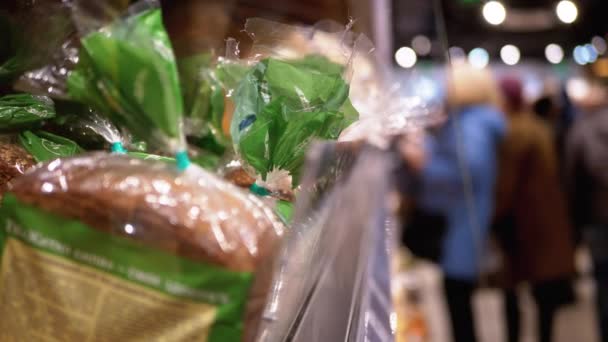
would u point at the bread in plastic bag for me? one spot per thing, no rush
(294, 93)
(128, 72)
(23, 115)
(14, 161)
(185, 220)
(19, 111)
(20, 151)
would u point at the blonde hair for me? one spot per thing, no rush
(468, 86)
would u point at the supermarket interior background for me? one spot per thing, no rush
(460, 191)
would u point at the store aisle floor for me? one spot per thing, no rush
(574, 323)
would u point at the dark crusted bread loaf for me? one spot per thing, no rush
(195, 214)
(14, 161)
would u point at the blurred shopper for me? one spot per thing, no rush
(458, 182)
(567, 115)
(423, 229)
(557, 111)
(532, 224)
(587, 175)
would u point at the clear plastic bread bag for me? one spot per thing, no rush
(107, 246)
(391, 106)
(24, 140)
(29, 31)
(22, 143)
(198, 30)
(46, 50)
(296, 91)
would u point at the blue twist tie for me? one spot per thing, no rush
(259, 190)
(118, 148)
(182, 160)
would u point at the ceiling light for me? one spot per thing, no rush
(457, 54)
(479, 58)
(590, 53)
(422, 45)
(406, 57)
(599, 44)
(566, 11)
(580, 55)
(578, 88)
(494, 12)
(510, 54)
(554, 53)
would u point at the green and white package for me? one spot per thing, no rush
(44, 146)
(18, 111)
(295, 93)
(207, 84)
(109, 247)
(20, 148)
(128, 72)
(281, 106)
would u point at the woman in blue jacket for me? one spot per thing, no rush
(458, 183)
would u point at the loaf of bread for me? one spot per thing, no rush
(14, 161)
(195, 214)
(239, 177)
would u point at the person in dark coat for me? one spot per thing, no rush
(587, 183)
(532, 221)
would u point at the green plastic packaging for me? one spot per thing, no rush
(203, 103)
(44, 146)
(61, 241)
(205, 81)
(147, 156)
(284, 210)
(127, 70)
(281, 106)
(23, 110)
(199, 88)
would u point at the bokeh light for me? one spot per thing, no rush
(566, 11)
(406, 57)
(510, 54)
(494, 12)
(479, 58)
(554, 53)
